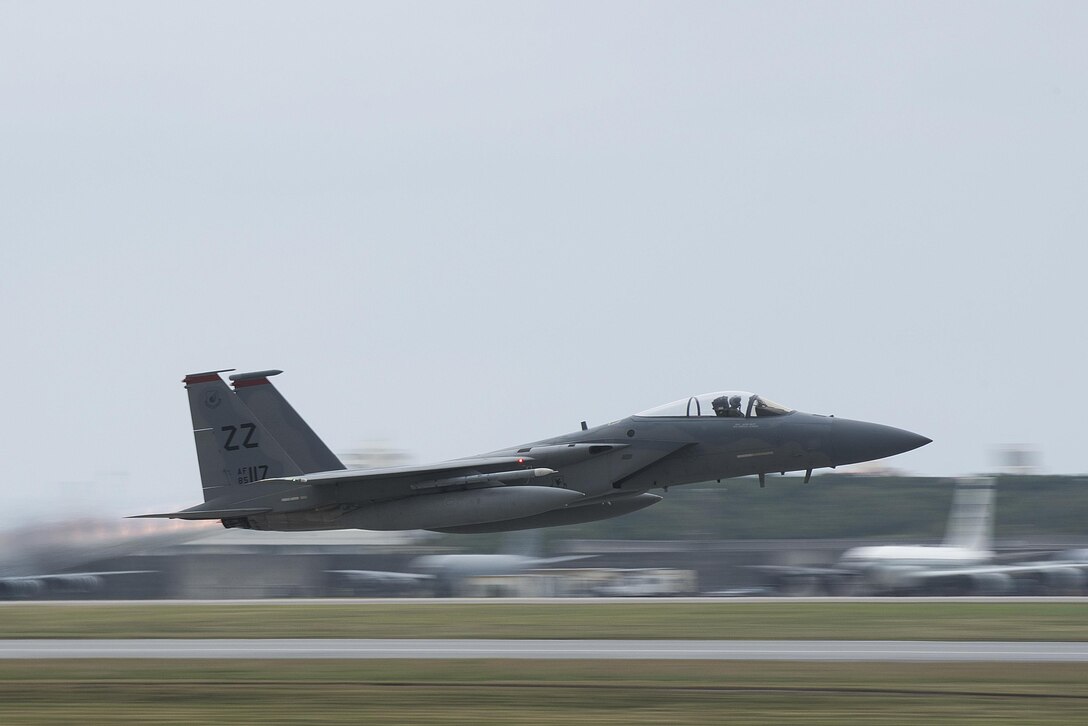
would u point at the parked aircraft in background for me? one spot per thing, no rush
(63, 559)
(521, 554)
(262, 467)
(963, 564)
(445, 575)
(34, 587)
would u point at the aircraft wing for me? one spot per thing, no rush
(546, 561)
(263, 496)
(380, 582)
(201, 512)
(390, 483)
(63, 576)
(382, 576)
(482, 469)
(351, 476)
(798, 570)
(1023, 567)
(447, 473)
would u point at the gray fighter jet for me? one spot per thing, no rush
(262, 467)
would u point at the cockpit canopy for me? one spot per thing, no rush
(727, 404)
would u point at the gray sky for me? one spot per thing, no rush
(459, 226)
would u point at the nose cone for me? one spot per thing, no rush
(856, 441)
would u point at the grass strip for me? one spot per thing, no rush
(538, 692)
(891, 620)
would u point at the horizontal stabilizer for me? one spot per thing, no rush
(205, 514)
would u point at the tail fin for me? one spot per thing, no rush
(971, 521)
(233, 446)
(283, 422)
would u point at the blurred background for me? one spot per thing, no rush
(726, 540)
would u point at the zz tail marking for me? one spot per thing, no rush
(247, 442)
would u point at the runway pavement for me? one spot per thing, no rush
(428, 601)
(780, 650)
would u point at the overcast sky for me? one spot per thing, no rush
(460, 226)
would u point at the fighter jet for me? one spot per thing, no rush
(262, 467)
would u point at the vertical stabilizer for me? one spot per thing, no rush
(283, 422)
(971, 521)
(233, 447)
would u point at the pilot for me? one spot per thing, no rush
(734, 408)
(727, 406)
(721, 406)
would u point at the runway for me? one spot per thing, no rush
(610, 601)
(330, 648)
